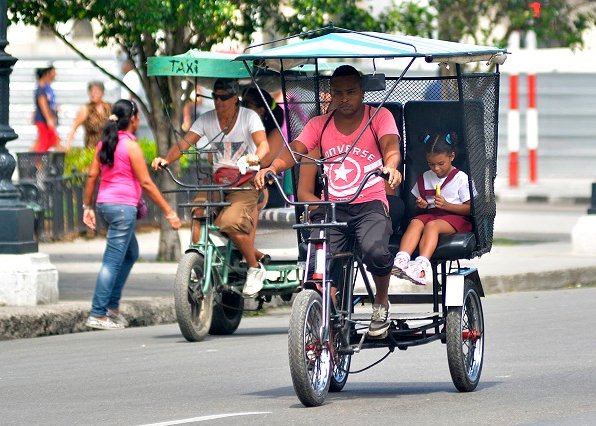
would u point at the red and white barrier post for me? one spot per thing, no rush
(513, 115)
(513, 130)
(532, 117)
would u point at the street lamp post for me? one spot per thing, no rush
(26, 276)
(16, 219)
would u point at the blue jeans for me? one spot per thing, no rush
(122, 251)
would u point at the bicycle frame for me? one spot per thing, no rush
(320, 279)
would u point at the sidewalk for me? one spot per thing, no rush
(532, 251)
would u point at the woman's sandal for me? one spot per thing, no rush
(264, 260)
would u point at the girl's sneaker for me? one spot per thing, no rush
(416, 273)
(400, 265)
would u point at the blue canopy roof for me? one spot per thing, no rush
(374, 45)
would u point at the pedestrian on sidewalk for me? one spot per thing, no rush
(46, 111)
(92, 116)
(124, 175)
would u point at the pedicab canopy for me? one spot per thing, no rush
(373, 45)
(197, 63)
(466, 104)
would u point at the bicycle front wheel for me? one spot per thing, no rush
(310, 358)
(194, 307)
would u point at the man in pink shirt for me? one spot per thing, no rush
(378, 147)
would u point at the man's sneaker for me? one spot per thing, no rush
(103, 324)
(254, 281)
(416, 273)
(117, 318)
(379, 322)
(400, 264)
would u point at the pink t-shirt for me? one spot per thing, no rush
(345, 178)
(119, 184)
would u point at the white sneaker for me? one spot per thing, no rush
(400, 264)
(101, 324)
(117, 318)
(254, 281)
(416, 273)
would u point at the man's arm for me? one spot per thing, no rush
(390, 150)
(174, 153)
(283, 162)
(307, 180)
(260, 139)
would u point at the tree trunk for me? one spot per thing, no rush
(159, 98)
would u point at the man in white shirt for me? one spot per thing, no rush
(235, 132)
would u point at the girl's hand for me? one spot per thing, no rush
(421, 203)
(174, 220)
(440, 202)
(89, 218)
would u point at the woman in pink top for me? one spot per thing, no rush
(120, 163)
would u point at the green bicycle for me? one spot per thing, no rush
(210, 276)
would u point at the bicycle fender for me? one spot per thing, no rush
(454, 286)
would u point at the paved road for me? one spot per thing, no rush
(539, 369)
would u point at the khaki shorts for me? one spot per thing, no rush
(237, 218)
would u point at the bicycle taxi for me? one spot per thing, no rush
(209, 279)
(324, 335)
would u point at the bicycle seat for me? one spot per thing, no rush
(455, 246)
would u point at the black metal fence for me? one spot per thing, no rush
(57, 199)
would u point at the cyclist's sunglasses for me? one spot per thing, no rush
(222, 97)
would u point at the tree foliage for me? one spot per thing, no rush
(145, 28)
(491, 22)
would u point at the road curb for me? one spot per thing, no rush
(70, 316)
(546, 280)
(18, 322)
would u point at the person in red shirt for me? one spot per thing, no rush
(46, 111)
(378, 147)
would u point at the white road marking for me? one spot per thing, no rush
(204, 418)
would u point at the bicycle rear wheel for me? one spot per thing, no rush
(310, 359)
(465, 340)
(194, 308)
(227, 313)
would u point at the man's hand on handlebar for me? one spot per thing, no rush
(158, 163)
(261, 177)
(394, 178)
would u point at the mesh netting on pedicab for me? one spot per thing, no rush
(434, 102)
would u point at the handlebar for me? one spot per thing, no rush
(377, 172)
(228, 186)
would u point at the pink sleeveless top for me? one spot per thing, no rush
(119, 184)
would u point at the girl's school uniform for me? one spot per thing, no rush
(454, 188)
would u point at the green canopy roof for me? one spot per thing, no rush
(373, 45)
(196, 63)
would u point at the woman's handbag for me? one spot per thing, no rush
(141, 208)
